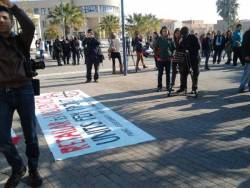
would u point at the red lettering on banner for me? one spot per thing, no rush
(48, 109)
(67, 137)
(61, 131)
(72, 146)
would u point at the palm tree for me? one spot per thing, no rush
(135, 24)
(152, 24)
(228, 10)
(68, 15)
(110, 24)
(52, 31)
(143, 24)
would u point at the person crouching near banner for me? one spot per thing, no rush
(190, 46)
(166, 48)
(16, 93)
(91, 52)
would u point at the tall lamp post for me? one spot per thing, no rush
(125, 64)
(62, 13)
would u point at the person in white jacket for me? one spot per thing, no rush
(114, 51)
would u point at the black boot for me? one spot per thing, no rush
(35, 180)
(15, 178)
(181, 90)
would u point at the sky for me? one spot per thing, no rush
(183, 9)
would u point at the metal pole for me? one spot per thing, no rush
(125, 64)
(229, 13)
(63, 26)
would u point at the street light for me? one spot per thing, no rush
(125, 65)
(62, 13)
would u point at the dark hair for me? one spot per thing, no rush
(155, 33)
(4, 9)
(184, 31)
(238, 25)
(175, 31)
(164, 27)
(7, 10)
(89, 31)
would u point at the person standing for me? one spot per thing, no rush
(176, 58)
(246, 57)
(41, 48)
(138, 46)
(237, 40)
(218, 44)
(190, 46)
(228, 46)
(57, 50)
(75, 48)
(156, 50)
(128, 49)
(115, 53)
(207, 48)
(66, 50)
(50, 43)
(16, 93)
(166, 49)
(91, 51)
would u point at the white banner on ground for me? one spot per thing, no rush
(75, 124)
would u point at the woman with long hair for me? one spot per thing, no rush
(176, 58)
(166, 48)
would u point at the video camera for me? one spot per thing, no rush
(33, 65)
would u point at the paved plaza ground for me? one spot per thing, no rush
(200, 143)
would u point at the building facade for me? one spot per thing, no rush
(198, 26)
(93, 10)
(222, 25)
(171, 24)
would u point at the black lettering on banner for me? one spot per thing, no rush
(99, 130)
(66, 103)
(74, 108)
(82, 116)
(105, 138)
(60, 117)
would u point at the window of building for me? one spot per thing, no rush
(36, 10)
(90, 8)
(108, 9)
(43, 11)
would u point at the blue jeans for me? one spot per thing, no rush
(245, 77)
(207, 55)
(22, 100)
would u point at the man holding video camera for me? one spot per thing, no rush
(16, 93)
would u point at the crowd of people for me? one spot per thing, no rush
(62, 50)
(180, 53)
(183, 51)
(216, 44)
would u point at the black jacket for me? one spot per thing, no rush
(223, 42)
(246, 44)
(91, 50)
(191, 45)
(207, 44)
(9, 59)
